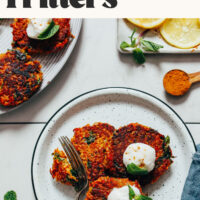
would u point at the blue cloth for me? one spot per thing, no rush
(191, 190)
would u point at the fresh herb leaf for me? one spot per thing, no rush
(131, 37)
(167, 152)
(142, 197)
(167, 141)
(10, 195)
(74, 172)
(124, 45)
(133, 43)
(135, 170)
(91, 138)
(150, 46)
(138, 56)
(49, 32)
(131, 192)
(57, 156)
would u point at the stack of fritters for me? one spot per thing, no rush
(58, 41)
(20, 77)
(101, 149)
(101, 188)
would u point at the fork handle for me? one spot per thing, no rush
(78, 197)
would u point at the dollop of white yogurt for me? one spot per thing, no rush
(36, 26)
(122, 193)
(140, 154)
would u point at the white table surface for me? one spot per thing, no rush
(95, 63)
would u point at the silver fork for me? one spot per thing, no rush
(77, 165)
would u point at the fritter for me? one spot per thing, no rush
(20, 77)
(137, 133)
(61, 169)
(57, 42)
(101, 188)
(93, 144)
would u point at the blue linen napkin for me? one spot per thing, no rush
(191, 190)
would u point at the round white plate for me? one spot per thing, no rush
(52, 63)
(116, 106)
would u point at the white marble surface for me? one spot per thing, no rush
(95, 63)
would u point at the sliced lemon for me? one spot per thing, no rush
(147, 23)
(181, 33)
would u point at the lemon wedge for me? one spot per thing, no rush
(147, 23)
(181, 33)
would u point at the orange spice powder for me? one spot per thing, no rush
(176, 82)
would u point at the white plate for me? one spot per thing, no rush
(117, 106)
(52, 63)
(124, 30)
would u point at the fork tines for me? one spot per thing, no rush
(75, 161)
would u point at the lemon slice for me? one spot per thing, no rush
(181, 33)
(147, 23)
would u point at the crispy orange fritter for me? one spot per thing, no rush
(20, 77)
(93, 144)
(57, 42)
(101, 188)
(61, 169)
(137, 133)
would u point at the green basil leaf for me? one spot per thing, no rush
(124, 45)
(51, 30)
(131, 192)
(142, 197)
(138, 56)
(10, 195)
(91, 138)
(135, 170)
(150, 46)
(167, 141)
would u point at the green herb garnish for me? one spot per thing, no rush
(49, 32)
(136, 197)
(91, 138)
(135, 170)
(150, 46)
(167, 141)
(139, 45)
(57, 156)
(131, 192)
(142, 197)
(138, 55)
(10, 195)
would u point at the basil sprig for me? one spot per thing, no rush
(51, 30)
(10, 195)
(132, 195)
(135, 170)
(139, 45)
(131, 192)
